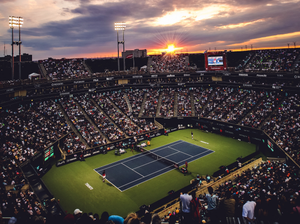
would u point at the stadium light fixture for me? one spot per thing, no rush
(120, 27)
(15, 22)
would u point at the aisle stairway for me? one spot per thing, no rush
(273, 112)
(128, 102)
(69, 122)
(143, 106)
(192, 103)
(99, 108)
(159, 104)
(92, 122)
(175, 104)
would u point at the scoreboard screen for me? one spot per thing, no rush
(216, 60)
(48, 153)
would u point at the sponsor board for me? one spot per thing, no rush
(71, 160)
(86, 155)
(229, 132)
(96, 152)
(64, 94)
(59, 163)
(57, 84)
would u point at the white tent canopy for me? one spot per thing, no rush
(34, 75)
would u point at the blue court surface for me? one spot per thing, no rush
(137, 169)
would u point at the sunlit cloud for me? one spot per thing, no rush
(279, 37)
(85, 28)
(172, 18)
(232, 26)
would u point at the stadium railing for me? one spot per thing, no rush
(171, 205)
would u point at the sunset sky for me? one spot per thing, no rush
(85, 28)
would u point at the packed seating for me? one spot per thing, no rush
(101, 120)
(136, 97)
(168, 63)
(58, 69)
(184, 103)
(263, 110)
(150, 106)
(119, 99)
(87, 130)
(227, 105)
(17, 199)
(242, 108)
(27, 132)
(273, 60)
(167, 103)
(201, 96)
(218, 96)
(124, 123)
(284, 126)
(33, 127)
(273, 186)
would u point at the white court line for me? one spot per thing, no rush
(181, 152)
(135, 156)
(108, 181)
(132, 169)
(160, 174)
(204, 142)
(141, 155)
(89, 186)
(147, 176)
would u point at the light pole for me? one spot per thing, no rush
(15, 22)
(120, 26)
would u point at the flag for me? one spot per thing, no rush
(129, 56)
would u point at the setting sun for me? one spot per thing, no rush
(171, 48)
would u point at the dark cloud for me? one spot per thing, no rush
(92, 30)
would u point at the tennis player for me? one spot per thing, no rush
(103, 176)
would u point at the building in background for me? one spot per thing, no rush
(135, 53)
(24, 57)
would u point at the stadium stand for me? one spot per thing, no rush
(169, 63)
(65, 68)
(91, 120)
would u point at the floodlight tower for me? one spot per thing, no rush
(15, 22)
(120, 26)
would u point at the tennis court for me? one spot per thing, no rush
(137, 169)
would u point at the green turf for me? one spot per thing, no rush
(67, 182)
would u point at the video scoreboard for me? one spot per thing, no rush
(48, 153)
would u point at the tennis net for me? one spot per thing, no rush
(160, 158)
